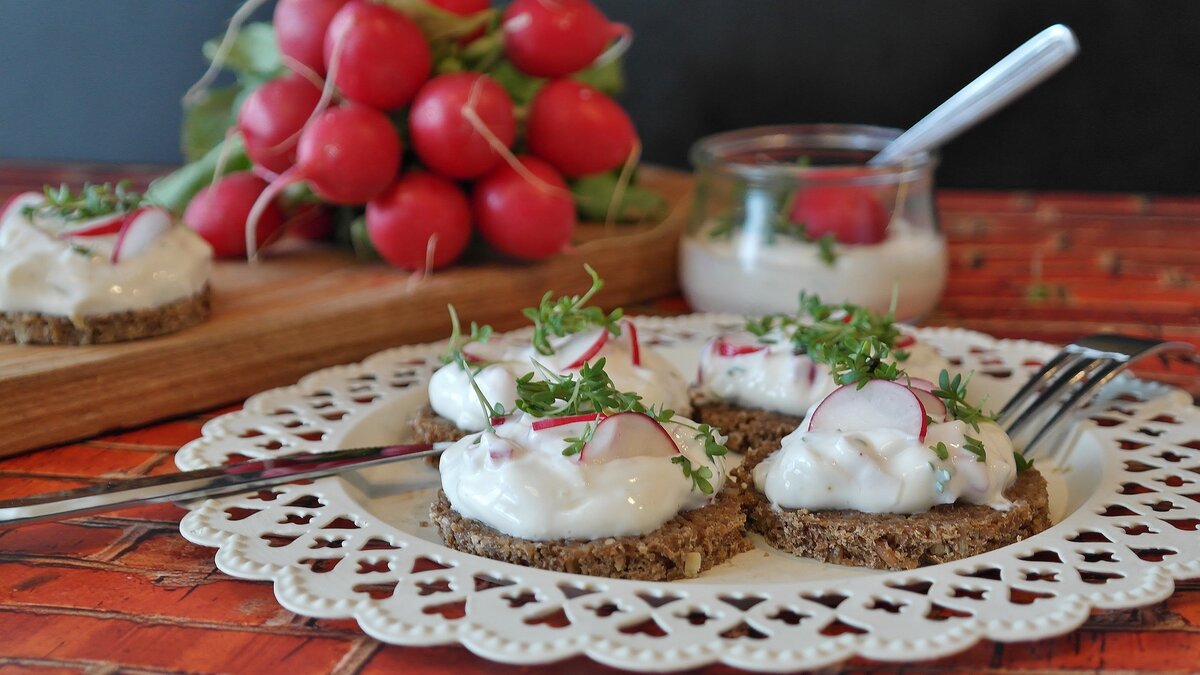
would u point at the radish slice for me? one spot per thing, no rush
(497, 421)
(737, 344)
(479, 352)
(13, 199)
(102, 227)
(582, 347)
(920, 383)
(551, 422)
(501, 454)
(905, 341)
(880, 403)
(934, 406)
(628, 434)
(139, 230)
(635, 348)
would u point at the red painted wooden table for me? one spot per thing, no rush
(124, 592)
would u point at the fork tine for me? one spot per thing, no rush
(1058, 378)
(1096, 379)
(1016, 403)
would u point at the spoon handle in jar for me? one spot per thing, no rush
(1028, 65)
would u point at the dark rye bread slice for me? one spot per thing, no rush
(900, 542)
(750, 431)
(49, 329)
(690, 543)
(430, 427)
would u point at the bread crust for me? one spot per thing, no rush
(430, 427)
(753, 432)
(715, 533)
(50, 329)
(895, 541)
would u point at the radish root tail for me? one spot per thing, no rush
(617, 49)
(623, 181)
(419, 277)
(264, 200)
(481, 128)
(198, 91)
(327, 92)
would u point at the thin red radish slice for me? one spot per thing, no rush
(13, 199)
(482, 352)
(497, 421)
(500, 454)
(905, 341)
(920, 383)
(140, 230)
(582, 347)
(635, 347)
(934, 406)
(103, 226)
(628, 434)
(737, 344)
(551, 422)
(878, 404)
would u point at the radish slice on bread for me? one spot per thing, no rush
(879, 403)
(139, 230)
(628, 434)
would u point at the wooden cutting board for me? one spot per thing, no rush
(306, 307)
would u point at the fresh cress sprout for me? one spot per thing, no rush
(567, 315)
(92, 201)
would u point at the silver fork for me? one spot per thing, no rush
(1072, 377)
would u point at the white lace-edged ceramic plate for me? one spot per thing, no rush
(1124, 496)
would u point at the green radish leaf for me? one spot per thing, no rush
(204, 123)
(520, 87)
(254, 55)
(593, 195)
(608, 78)
(437, 24)
(175, 190)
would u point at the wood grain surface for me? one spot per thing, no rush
(125, 593)
(302, 308)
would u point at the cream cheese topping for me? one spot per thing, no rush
(887, 470)
(42, 271)
(452, 397)
(517, 481)
(775, 378)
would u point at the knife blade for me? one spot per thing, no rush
(212, 482)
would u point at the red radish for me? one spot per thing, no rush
(138, 230)
(271, 119)
(529, 218)
(934, 407)
(464, 8)
(300, 27)
(851, 214)
(628, 434)
(383, 56)
(878, 404)
(443, 135)
(219, 213)
(422, 219)
(582, 347)
(737, 344)
(553, 38)
(551, 422)
(578, 129)
(348, 155)
(497, 421)
(905, 341)
(635, 347)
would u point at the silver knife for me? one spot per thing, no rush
(191, 485)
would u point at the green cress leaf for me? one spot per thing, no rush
(254, 55)
(176, 189)
(567, 315)
(593, 194)
(1023, 464)
(92, 201)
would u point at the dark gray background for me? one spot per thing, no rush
(101, 79)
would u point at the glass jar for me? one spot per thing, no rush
(784, 209)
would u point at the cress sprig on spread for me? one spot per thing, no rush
(567, 315)
(92, 201)
(852, 341)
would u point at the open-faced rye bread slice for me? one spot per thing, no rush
(689, 543)
(896, 541)
(47, 329)
(750, 431)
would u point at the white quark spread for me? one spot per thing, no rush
(887, 470)
(517, 481)
(744, 274)
(42, 272)
(452, 397)
(777, 379)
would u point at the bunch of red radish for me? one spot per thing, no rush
(457, 171)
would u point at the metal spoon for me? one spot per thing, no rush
(1031, 63)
